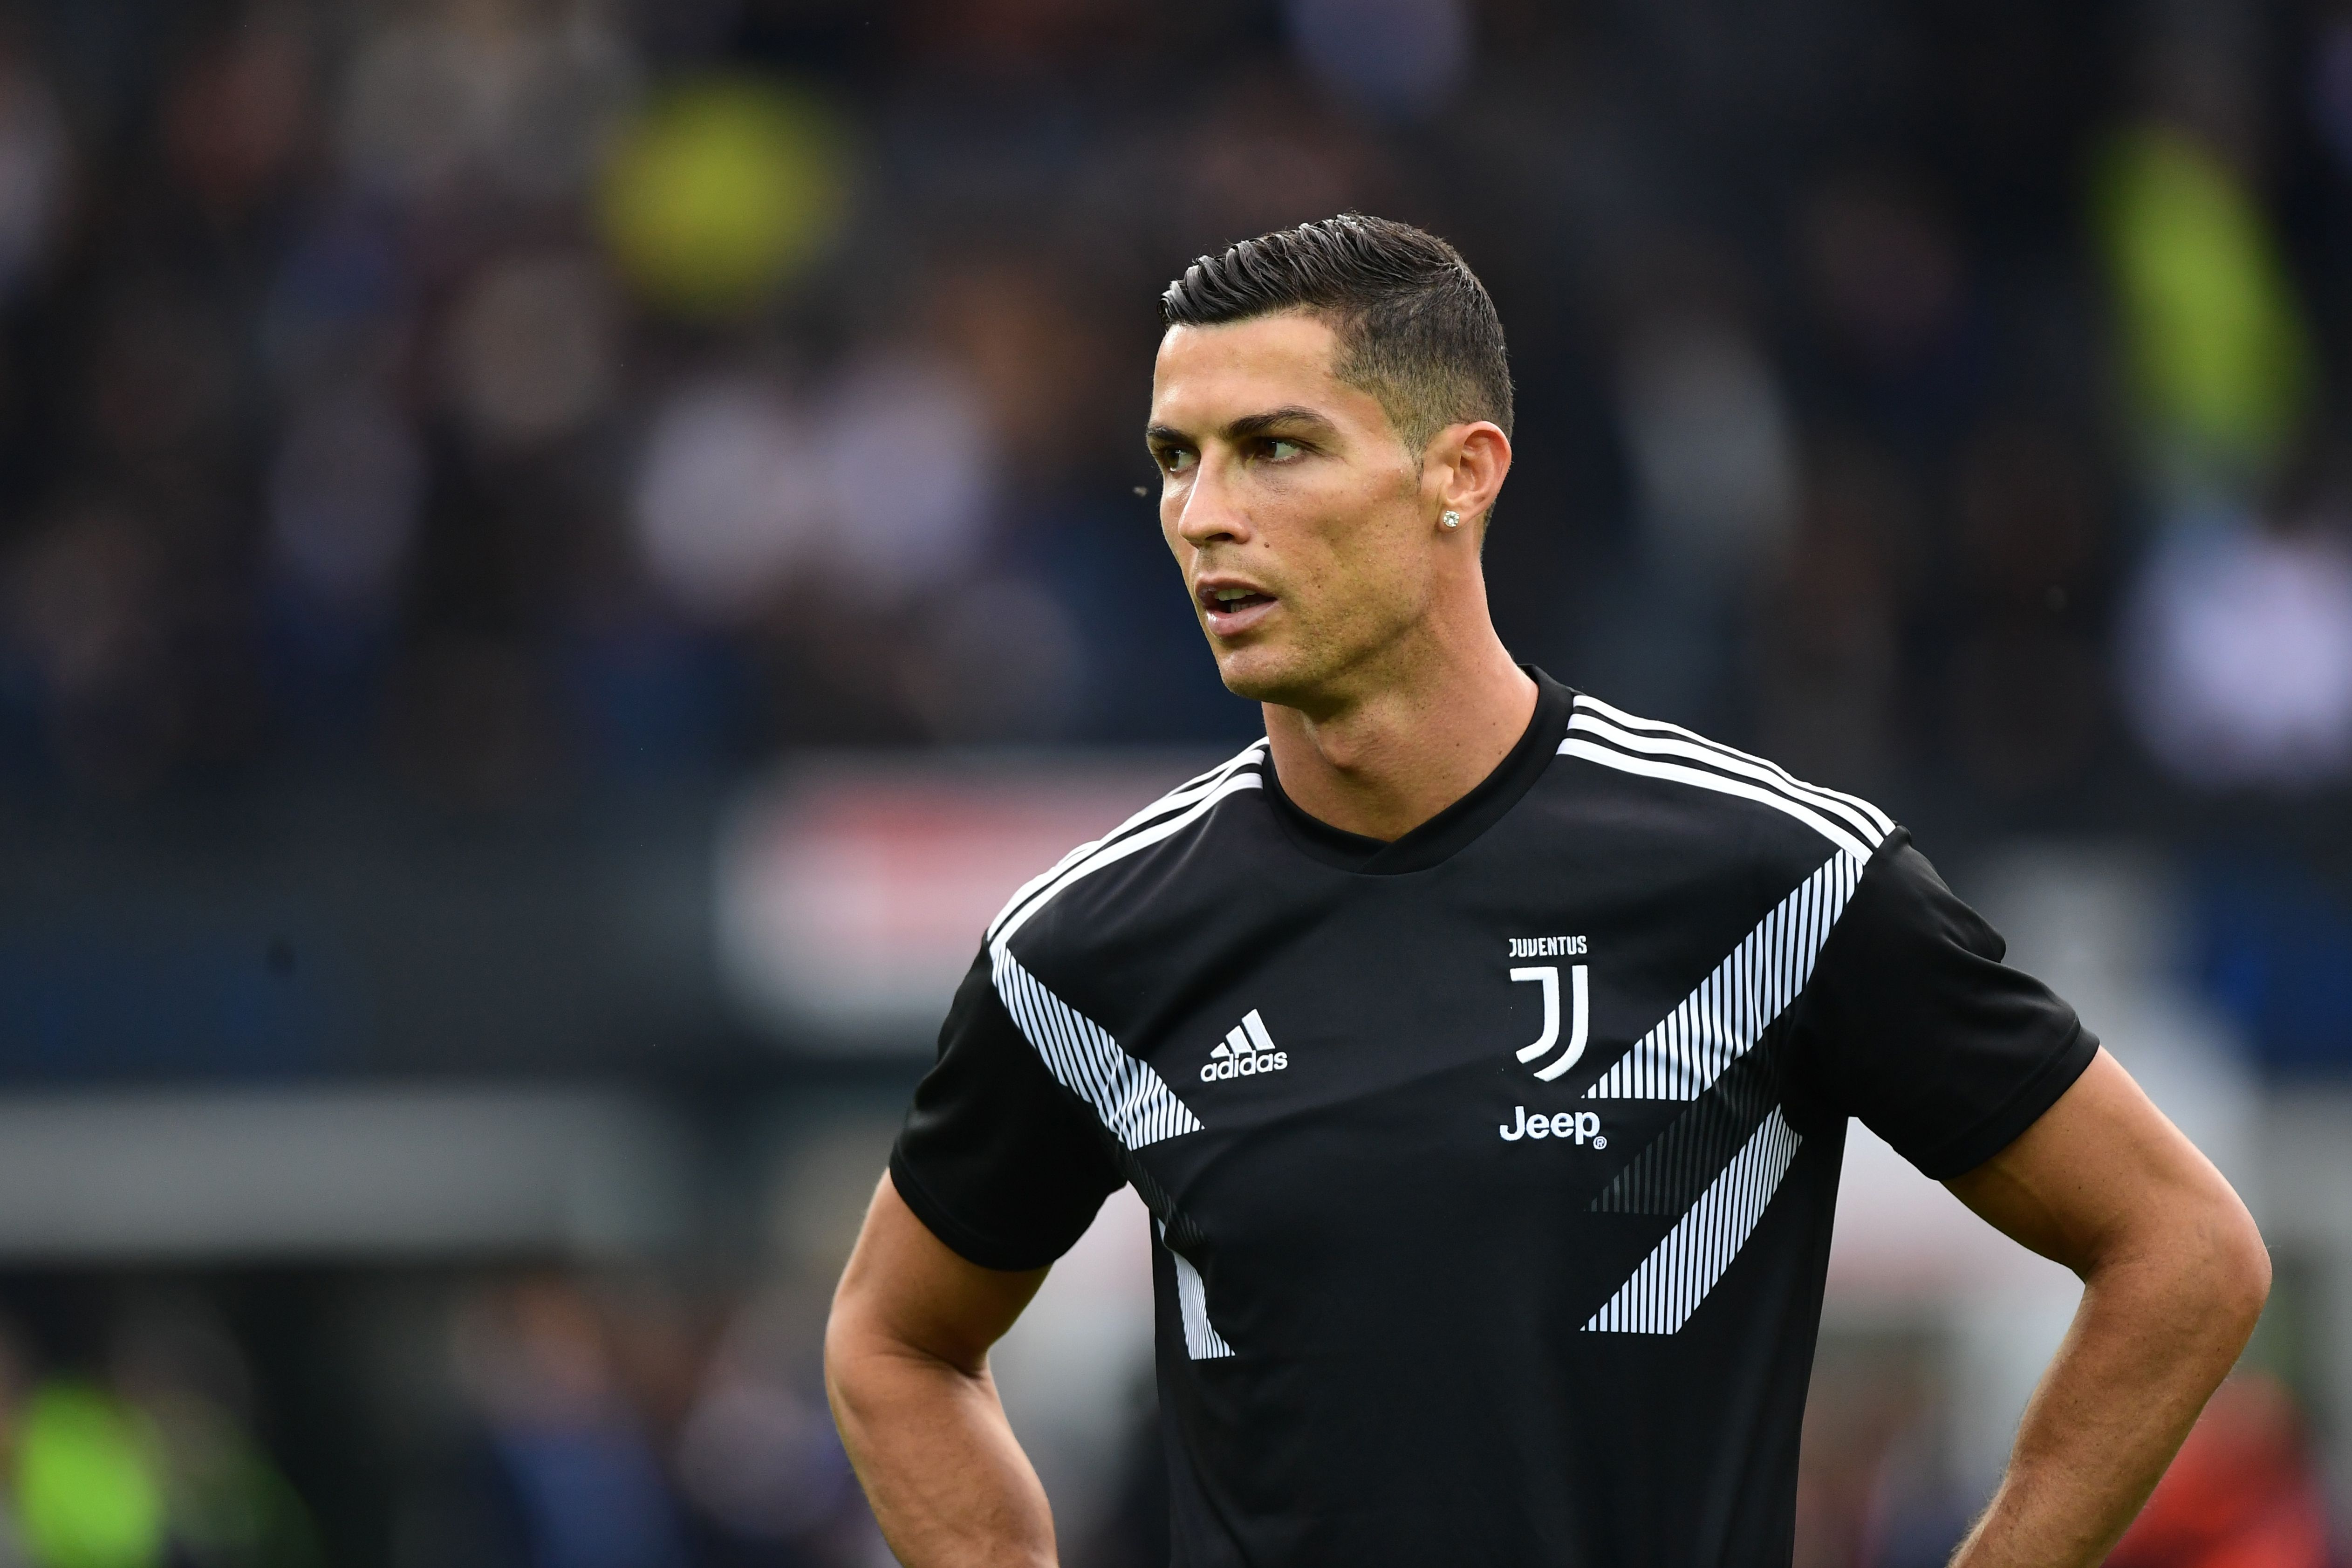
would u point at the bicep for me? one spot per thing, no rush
(2102, 1165)
(908, 1290)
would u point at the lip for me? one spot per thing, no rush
(1224, 623)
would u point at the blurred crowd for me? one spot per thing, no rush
(525, 392)
(509, 398)
(531, 1419)
(624, 1428)
(134, 1446)
(547, 1418)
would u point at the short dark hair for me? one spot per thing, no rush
(1416, 329)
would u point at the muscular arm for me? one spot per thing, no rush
(906, 1366)
(2174, 1275)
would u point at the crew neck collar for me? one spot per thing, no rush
(1452, 828)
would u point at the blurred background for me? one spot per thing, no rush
(557, 558)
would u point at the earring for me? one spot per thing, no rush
(1449, 519)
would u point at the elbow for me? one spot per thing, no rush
(845, 1337)
(2220, 1269)
(2241, 1273)
(2195, 1272)
(865, 1355)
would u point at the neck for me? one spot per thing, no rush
(1383, 763)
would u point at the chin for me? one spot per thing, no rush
(1265, 675)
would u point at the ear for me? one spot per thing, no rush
(1466, 467)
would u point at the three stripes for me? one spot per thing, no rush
(1599, 734)
(1169, 815)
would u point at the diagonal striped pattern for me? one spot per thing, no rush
(1201, 1341)
(1670, 1283)
(1667, 1177)
(1715, 1023)
(1133, 1100)
(1599, 734)
(1167, 816)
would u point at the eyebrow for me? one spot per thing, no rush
(1293, 418)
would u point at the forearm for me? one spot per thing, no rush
(947, 1480)
(2154, 1336)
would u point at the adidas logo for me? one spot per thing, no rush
(1248, 1050)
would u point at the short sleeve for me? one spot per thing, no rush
(996, 1157)
(1914, 1023)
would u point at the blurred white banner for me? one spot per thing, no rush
(852, 894)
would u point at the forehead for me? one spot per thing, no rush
(1207, 377)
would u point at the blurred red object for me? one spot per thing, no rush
(2241, 1494)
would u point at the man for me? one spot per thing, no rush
(1482, 1053)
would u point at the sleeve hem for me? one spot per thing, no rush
(975, 1247)
(1959, 1155)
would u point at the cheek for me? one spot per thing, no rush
(1387, 577)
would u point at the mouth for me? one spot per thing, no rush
(1232, 609)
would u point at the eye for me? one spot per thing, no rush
(1282, 451)
(1176, 459)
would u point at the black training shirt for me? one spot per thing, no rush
(1491, 1170)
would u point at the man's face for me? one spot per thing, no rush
(1292, 506)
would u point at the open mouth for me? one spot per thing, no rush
(1231, 609)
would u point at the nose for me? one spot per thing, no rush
(1207, 512)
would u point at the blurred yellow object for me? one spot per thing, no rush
(90, 1493)
(721, 190)
(2220, 355)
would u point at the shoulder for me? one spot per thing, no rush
(1146, 859)
(1704, 795)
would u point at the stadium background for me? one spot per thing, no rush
(558, 556)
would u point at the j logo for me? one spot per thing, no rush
(1548, 976)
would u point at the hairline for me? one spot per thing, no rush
(1348, 338)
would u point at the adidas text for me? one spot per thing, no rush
(1584, 1126)
(1245, 1051)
